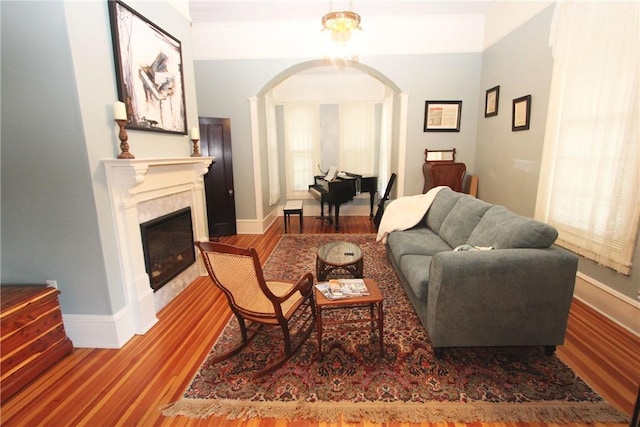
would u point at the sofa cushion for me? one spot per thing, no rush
(462, 220)
(504, 229)
(415, 241)
(440, 208)
(415, 269)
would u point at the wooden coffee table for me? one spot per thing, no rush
(371, 323)
(338, 256)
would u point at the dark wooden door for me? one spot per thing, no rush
(215, 140)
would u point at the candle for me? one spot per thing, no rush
(195, 133)
(119, 111)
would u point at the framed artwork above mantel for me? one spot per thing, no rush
(149, 75)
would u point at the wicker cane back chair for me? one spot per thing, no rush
(277, 303)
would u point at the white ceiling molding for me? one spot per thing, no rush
(247, 29)
(396, 35)
(284, 10)
(253, 39)
(423, 34)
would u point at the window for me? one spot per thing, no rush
(356, 138)
(589, 178)
(301, 133)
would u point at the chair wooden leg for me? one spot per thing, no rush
(287, 338)
(246, 339)
(288, 350)
(311, 318)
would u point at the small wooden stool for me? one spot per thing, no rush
(292, 207)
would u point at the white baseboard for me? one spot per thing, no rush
(311, 209)
(98, 331)
(254, 226)
(617, 307)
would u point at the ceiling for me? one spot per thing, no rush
(245, 29)
(276, 10)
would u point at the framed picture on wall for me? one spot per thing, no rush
(442, 116)
(491, 101)
(149, 75)
(521, 113)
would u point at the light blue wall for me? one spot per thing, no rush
(58, 88)
(225, 86)
(224, 89)
(435, 78)
(49, 220)
(508, 163)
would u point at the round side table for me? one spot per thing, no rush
(344, 256)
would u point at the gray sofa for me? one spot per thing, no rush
(516, 294)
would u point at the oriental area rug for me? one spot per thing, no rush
(408, 384)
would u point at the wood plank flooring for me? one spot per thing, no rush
(126, 387)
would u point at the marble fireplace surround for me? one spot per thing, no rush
(141, 190)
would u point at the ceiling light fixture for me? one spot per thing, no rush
(341, 22)
(342, 26)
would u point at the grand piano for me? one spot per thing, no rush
(343, 188)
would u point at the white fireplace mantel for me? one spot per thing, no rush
(131, 182)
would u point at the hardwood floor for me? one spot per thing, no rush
(125, 387)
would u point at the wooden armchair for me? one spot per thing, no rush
(440, 168)
(264, 303)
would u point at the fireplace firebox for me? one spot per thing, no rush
(168, 246)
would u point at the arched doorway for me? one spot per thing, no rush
(392, 133)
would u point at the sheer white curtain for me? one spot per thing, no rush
(356, 137)
(589, 179)
(301, 139)
(272, 151)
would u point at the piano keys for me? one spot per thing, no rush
(342, 190)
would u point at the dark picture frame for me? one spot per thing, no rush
(521, 113)
(154, 91)
(491, 101)
(442, 116)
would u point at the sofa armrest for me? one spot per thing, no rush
(500, 297)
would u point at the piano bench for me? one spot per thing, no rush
(292, 207)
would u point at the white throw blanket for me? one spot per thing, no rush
(405, 212)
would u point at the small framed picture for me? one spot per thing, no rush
(491, 101)
(521, 113)
(442, 116)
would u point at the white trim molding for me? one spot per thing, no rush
(99, 331)
(131, 182)
(615, 306)
(402, 142)
(255, 151)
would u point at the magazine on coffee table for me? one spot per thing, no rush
(343, 288)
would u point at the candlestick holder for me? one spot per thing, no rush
(196, 149)
(124, 145)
